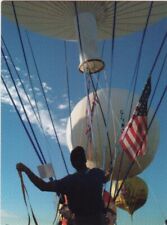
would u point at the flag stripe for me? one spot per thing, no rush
(129, 151)
(133, 139)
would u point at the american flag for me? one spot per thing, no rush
(133, 139)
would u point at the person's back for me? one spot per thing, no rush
(84, 191)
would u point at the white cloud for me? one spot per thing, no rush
(17, 68)
(49, 100)
(60, 125)
(36, 89)
(63, 120)
(46, 87)
(4, 71)
(4, 96)
(62, 106)
(6, 214)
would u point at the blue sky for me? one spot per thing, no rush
(16, 147)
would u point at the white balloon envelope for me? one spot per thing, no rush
(95, 21)
(99, 154)
(56, 18)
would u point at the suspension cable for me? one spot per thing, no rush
(132, 164)
(23, 107)
(22, 84)
(68, 87)
(160, 74)
(113, 43)
(89, 112)
(135, 75)
(47, 105)
(98, 74)
(37, 72)
(18, 113)
(112, 58)
(163, 94)
(104, 120)
(79, 31)
(25, 58)
(130, 167)
(159, 51)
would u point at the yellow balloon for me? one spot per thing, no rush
(98, 152)
(133, 194)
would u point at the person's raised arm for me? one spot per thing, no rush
(37, 181)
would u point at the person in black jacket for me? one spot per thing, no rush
(83, 188)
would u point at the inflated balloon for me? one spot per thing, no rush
(94, 20)
(98, 150)
(59, 21)
(133, 194)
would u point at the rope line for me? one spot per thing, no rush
(163, 94)
(79, 31)
(25, 58)
(25, 193)
(134, 78)
(41, 87)
(160, 74)
(158, 54)
(98, 74)
(132, 164)
(18, 113)
(110, 81)
(89, 112)
(22, 84)
(47, 105)
(68, 86)
(23, 107)
(102, 113)
(135, 75)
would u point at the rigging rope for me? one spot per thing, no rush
(132, 164)
(79, 31)
(104, 120)
(81, 47)
(25, 193)
(18, 113)
(25, 58)
(135, 76)
(68, 87)
(156, 110)
(110, 81)
(89, 115)
(20, 80)
(158, 54)
(98, 74)
(47, 105)
(113, 45)
(40, 150)
(162, 43)
(163, 94)
(112, 59)
(160, 74)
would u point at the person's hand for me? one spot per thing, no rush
(20, 167)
